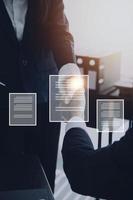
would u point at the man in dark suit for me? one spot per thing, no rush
(34, 43)
(105, 173)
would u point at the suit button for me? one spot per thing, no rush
(24, 62)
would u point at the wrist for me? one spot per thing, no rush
(75, 122)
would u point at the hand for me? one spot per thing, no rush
(69, 79)
(75, 107)
(68, 85)
(71, 87)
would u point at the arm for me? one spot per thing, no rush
(98, 173)
(60, 40)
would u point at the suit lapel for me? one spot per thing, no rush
(6, 23)
(29, 28)
(33, 22)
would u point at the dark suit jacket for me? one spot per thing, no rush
(46, 45)
(25, 67)
(105, 173)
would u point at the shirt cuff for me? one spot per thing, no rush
(75, 122)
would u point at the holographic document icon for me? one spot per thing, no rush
(22, 109)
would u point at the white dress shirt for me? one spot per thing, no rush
(17, 10)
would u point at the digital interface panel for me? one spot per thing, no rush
(110, 115)
(68, 97)
(22, 109)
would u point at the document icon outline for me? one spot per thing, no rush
(22, 109)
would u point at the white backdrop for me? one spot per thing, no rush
(101, 27)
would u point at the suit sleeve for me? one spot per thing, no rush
(98, 173)
(60, 40)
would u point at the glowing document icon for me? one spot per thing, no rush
(59, 109)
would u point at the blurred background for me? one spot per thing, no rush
(101, 28)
